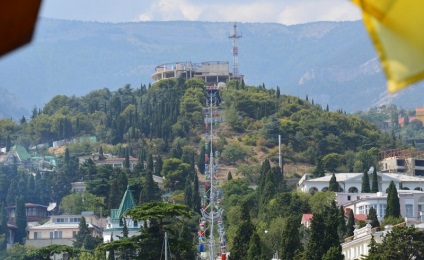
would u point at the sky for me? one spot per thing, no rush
(286, 12)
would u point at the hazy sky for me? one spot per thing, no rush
(278, 11)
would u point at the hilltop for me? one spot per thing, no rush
(331, 62)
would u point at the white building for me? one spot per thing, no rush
(352, 182)
(411, 203)
(62, 229)
(115, 222)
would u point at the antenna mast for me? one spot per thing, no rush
(235, 37)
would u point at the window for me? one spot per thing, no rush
(55, 234)
(37, 235)
(409, 210)
(382, 210)
(135, 223)
(74, 234)
(348, 197)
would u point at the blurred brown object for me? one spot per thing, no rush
(17, 23)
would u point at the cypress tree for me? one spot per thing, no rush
(341, 228)
(334, 185)
(229, 176)
(315, 248)
(150, 191)
(150, 163)
(196, 195)
(243, 232)
(374, 188)
(201, 161)
(255, 250)
(3, 228)
(159, 165)
(188, 192)
(365, 182)
(290, 240)
(393, 205)
(319, 169)
(20, 220)
(127, 159)
(372, 215)
(350, 224)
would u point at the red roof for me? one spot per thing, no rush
(306, 217)
(362, 217)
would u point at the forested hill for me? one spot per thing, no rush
(168, 119)
(332, 62)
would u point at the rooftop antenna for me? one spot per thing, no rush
(235, 37)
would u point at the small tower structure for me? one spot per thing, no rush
(235, 37)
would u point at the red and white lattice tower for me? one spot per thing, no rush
(211, 219)
(235, 37)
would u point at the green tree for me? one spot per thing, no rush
(76, 203)
(319, 169)
(365, 182)
(229, 176)
(243, 232)
(350, 224)
(84, 239)
(334, 185)
(334, 253)
(393, 205)
(233, 153)
(20, 220)
(372, 215)
(400, 243)
(254, 251)
(150, 191)
(3, 227)
(341, 228)
(331, 161)
(290, 240)
(374, 187)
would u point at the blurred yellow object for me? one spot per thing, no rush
(396, 28)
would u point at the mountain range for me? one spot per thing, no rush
(333, 63)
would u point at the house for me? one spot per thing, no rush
(17, 155)
(306, 220)
(352, 182)
(79, 187)
(117, 162)
(34, 212)
(62, 229)
(399, 161)
(411, 203)
(115, 222)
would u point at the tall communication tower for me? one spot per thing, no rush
(235, 37)
(211, 209)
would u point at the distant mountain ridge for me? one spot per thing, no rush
(333, 63)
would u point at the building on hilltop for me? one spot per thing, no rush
(402, 162)
(212, 72)
(115, 222)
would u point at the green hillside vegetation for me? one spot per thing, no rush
(163, 126)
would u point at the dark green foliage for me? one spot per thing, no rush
(400, 243)
(350, 224)
(341, 228)
(323, 234)
(201, 160)
(365, 182)
(374, 187)
(229, 176)
(84, 239)
(290, 239)
(372, 215)
(334, 253)
(188, 192)
(114, 195)
(319, 169)
(3, 227)
(20, 220)
(241, 242)
(254, 251)
(393, 205)
(334, 185)
(196, 201)
(150, 191)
